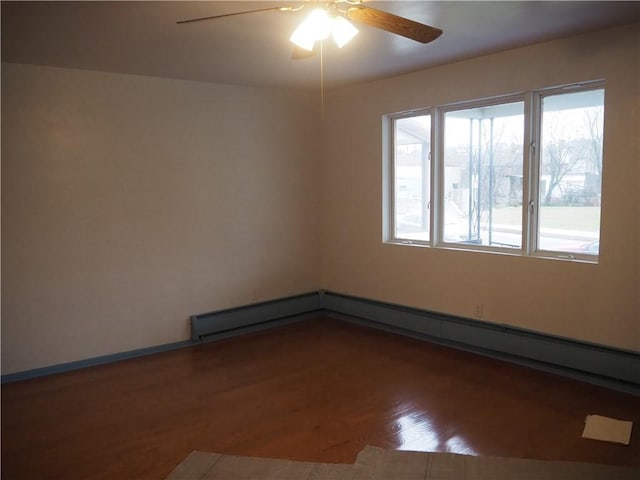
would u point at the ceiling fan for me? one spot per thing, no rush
(333, 18)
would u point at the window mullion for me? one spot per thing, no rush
(437, 179)
(532, 173)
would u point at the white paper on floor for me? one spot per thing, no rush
(607, 429)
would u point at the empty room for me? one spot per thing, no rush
(335, 239)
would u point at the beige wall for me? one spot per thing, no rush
(130, 203)
(597, 303)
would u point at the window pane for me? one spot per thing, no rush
(483, 166)
(411, 177)
(570, 172)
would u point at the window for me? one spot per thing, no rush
(412, 177)
(483, 166)
(569, 179)
(519, 174)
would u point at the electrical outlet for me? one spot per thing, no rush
(478, 311)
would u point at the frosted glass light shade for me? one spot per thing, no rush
(319, 25)
(343, 31)
(303, 38)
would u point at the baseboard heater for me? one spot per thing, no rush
(610, 367)
(213, 324)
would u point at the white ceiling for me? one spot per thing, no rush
(253, 49)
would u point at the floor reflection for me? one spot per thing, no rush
(416, 431)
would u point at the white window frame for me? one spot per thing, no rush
(442, 111)
(390, 176)
(534, 196)
(532, 101)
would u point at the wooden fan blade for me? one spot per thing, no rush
(301, 53)
(269, 9)
(393, 23)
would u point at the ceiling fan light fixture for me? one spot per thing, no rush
(330, 20)
(343, 31)
(317, 26)
(302, 38)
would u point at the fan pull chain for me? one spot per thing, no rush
(321, 80)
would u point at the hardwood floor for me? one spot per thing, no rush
(317, 390)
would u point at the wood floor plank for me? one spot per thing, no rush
(316, 391)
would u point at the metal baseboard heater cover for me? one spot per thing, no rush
(582, 360)
(222, 321)
(606, 366)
